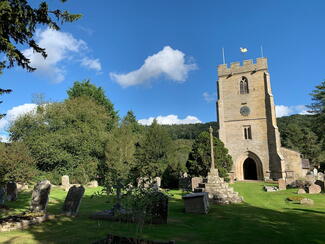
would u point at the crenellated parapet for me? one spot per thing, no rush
(246, 66)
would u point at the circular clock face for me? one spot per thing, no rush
(244, 110)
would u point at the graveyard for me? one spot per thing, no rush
(263, 216)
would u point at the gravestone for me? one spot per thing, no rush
(282, 184)
(320, 183)
(301, 191)
(72, 201)
(40, 196)
(196, 202)
(12, 191)
(2, 195)
(92, 184)
(195, 181)
(22, 187)
(65, 182)
(159, 208)
(314, 189)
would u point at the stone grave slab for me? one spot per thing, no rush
(72, 201)
(196, 202)
(40, 196)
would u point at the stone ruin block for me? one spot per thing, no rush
(12, 191)
(282, 185)
(40, 196)
(196, 202)
(72, 201)
(314, 189)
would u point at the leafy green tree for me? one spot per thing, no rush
(131, 121)
(16, 163)
(65, 138)
(18, 23)
(199, 159)
(119, 161)
(176, 163)
(152, 152)
(85, 88)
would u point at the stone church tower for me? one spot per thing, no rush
(247, 123)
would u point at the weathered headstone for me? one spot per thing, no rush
(321, 184)
(282, 184)
(159, 208)
(301, 191)
(196, 202)
(12, 191)
(40, 196)
(314, 189)
(72, 201)
(2, 195)
(307, 201)
(92, 184)
(195, 182)
(65, 182)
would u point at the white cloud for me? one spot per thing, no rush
(14, 114)
(169, 62)
(170, 120)
(4, 138)
(91, 64)
(59, 46)
(282, 110)
(209, 97)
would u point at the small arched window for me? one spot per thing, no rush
(244, 86)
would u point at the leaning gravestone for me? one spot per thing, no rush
(72, 201)
(314, 189)
(2, 195)
(40, 196)
(196, 202)
(282, 184)
(12, 191)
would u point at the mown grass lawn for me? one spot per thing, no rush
(263, 218)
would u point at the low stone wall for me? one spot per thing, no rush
(21, 222)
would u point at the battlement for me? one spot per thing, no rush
(247, 66)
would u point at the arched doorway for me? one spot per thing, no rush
(250, 170)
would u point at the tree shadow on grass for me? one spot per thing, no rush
(241, 223)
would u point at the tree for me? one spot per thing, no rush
(176, 163)
(199, 159)
(119, 160)
(85, 88)
(65, 138)
(131, 121)
(18, 23)
(16, 163)
(152, 152)
(3, 91)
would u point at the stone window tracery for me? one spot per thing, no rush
(244, 85)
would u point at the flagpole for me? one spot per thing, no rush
(262, 51)
(223, 56)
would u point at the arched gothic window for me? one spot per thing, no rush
(244, 86)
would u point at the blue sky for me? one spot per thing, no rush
(159, 57)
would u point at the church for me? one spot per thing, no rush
(248, 127)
